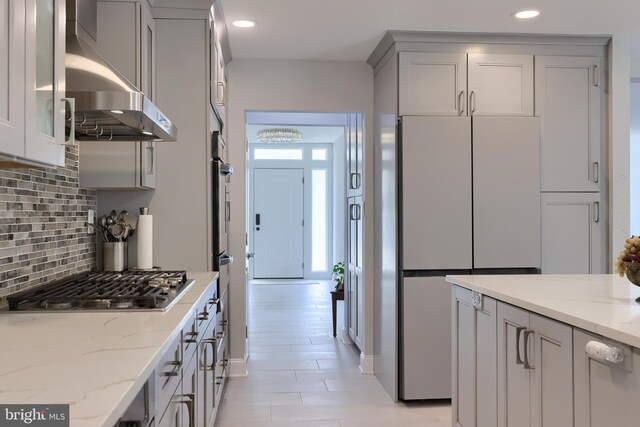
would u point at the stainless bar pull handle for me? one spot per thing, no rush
(151, 149)
(191, 397)
(519, 330)
(596, 75)
(72, 120)
(359, 217)
(596, 211)
(353, 181)
(527, 362)
(211, 341)
(472, 101)
(358, 180)
(460, 103)
(596, 172)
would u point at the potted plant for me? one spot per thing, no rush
(338, 276)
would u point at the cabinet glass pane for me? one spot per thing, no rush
(149, 78)
(4, 56)
(45, 63)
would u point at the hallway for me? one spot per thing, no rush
(300, 376)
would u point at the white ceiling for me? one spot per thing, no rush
(350, 29)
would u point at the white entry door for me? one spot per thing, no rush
(278, 196)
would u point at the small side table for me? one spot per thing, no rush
(335, 297)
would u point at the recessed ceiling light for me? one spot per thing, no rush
(117, 111)
(526, 14)
(243, 23)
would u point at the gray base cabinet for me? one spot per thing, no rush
(606, 394)
(535, 376)
(474, 385)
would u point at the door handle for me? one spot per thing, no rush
(225, 259)
(519, 360)
(527, 362)
(72, 120)
(460, 104)
(472, 101)
(257, 219)
(596, 211)
(596, 172)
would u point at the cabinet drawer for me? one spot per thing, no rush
(168, 373)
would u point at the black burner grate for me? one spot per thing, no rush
(100, 291)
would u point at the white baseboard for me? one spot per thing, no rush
(237, 368)
(366, 364)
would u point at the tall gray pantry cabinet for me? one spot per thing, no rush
(469, 151)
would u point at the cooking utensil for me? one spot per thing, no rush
(118, 230)
(103, 221)
(121, 215)
(131, 220)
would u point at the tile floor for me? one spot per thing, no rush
(300, 376)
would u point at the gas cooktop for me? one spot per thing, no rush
(129, 290)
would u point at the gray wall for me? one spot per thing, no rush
(42, 225)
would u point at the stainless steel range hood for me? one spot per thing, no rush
(108, 106)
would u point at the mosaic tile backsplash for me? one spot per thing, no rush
(43, 235)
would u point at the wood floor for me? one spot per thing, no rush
(300, 376)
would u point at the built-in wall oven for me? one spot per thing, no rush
(221, 174)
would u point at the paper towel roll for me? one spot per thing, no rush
(145, 241)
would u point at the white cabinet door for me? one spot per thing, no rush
(474, 358)
(426, 343)
(552, 373)
(432, 83)
(572, 231)
(12, 50)
(506, 192)
(500, 85)
(44, 80)
(605, 394)
(436, 193)
(569, 94)
(514, 408)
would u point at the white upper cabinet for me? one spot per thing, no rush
(500, 85)
(433, 83)
(12, 21)
(568, 102)
(32, 107)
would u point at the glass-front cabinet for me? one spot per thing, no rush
(32, 108)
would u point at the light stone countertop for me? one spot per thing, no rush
(95, 361)
(603, 304)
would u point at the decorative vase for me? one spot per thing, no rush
(632, 271)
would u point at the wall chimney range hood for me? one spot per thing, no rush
(108, 106)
